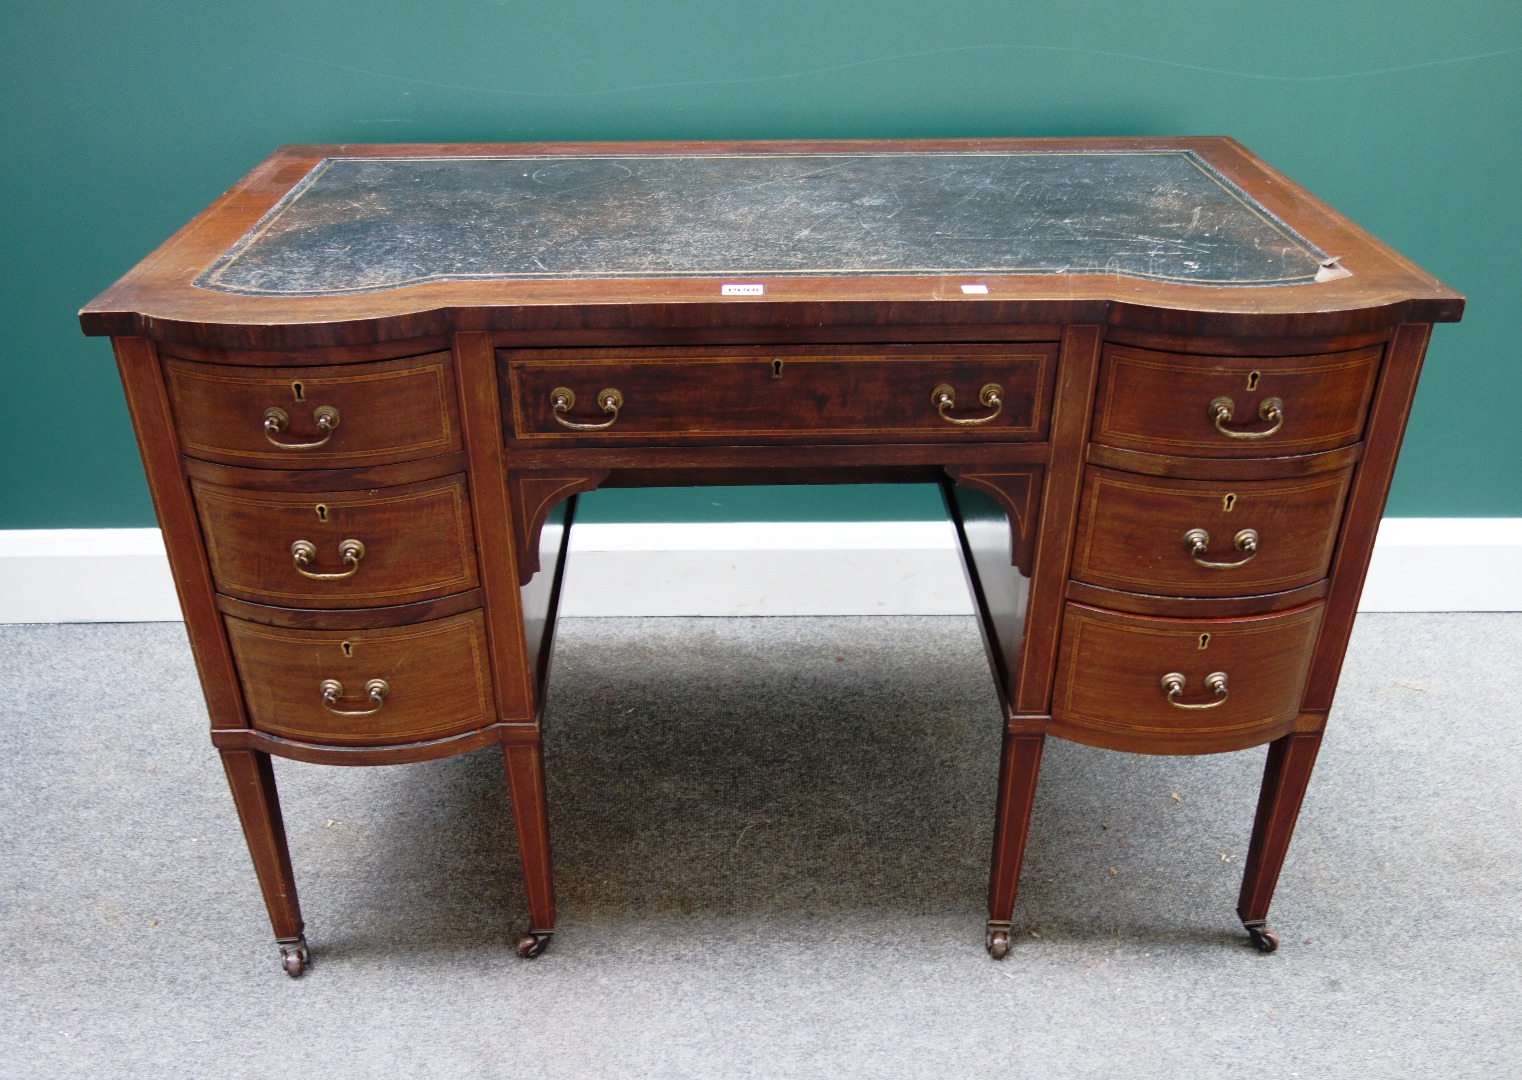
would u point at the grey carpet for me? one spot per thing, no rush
(771, 841)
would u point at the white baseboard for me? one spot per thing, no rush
(1445, 564)
(766, 568)
(85, 575)
(863, 568)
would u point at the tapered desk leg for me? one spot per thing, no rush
(1285, 776)
(524, 761)
(1018, 766)
(251, 776)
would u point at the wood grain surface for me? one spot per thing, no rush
(436, 671)
(389, 411)
(1109, 690)
(1131, 533)
(1160, 402)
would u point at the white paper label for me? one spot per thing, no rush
(975, 290)
(739, 289)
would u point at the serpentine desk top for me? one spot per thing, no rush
(406, 238)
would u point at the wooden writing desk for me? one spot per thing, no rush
(1162, 388)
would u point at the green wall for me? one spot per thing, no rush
(122, 120)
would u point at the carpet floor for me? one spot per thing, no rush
(771, 842)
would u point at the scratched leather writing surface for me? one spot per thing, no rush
(363, 224)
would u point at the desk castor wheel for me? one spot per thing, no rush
(294, 956)
(534, 942)
(1263, 939)
(998, 942)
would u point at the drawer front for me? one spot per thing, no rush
(1222, 406)
(1206, 538)
(363, 548)
(434, 675)
(1110, 673)
(771, 394)
(315, 417)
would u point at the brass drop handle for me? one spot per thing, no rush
(943, 397)
(376, 690)
(563, 400)
(1215, 682)
(277, 420)
(1197, 540)
(1270, 411)
(304, 551)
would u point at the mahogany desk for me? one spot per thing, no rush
(1162, 387)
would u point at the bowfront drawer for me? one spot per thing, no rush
(399, 684)
(339, 549)
(1232, 406)
(315, 417)
(1133, 682)
(967, 393)
(1206, 538)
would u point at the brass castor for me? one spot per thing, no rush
(294, 957)
(534, 942)
(1263, 939)
(998, 940)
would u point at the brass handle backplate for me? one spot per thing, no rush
(1215, 682)
(304, 551)
(376, 690)
(1271, 411)
(943, 397)
(563, 400)
(277, 420)
(1198, 540)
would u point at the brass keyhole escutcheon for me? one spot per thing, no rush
(1229, 502)
(322, 511)
(776, 369)
(298, 391)
(1252, 379)
(1204, 642)
(348, 649)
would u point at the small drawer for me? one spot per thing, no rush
(365, 687)
(999, 392)
(1238, 681)
(315, 417)
(1232, 406)
(1207, 538)
(339, 549)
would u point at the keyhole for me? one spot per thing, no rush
(1252, 379)
(299, 391)
(776, 369)
(348, 647)
(1229, 502)
(1204, 642)
(322, 512)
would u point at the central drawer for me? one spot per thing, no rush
(967, 392)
